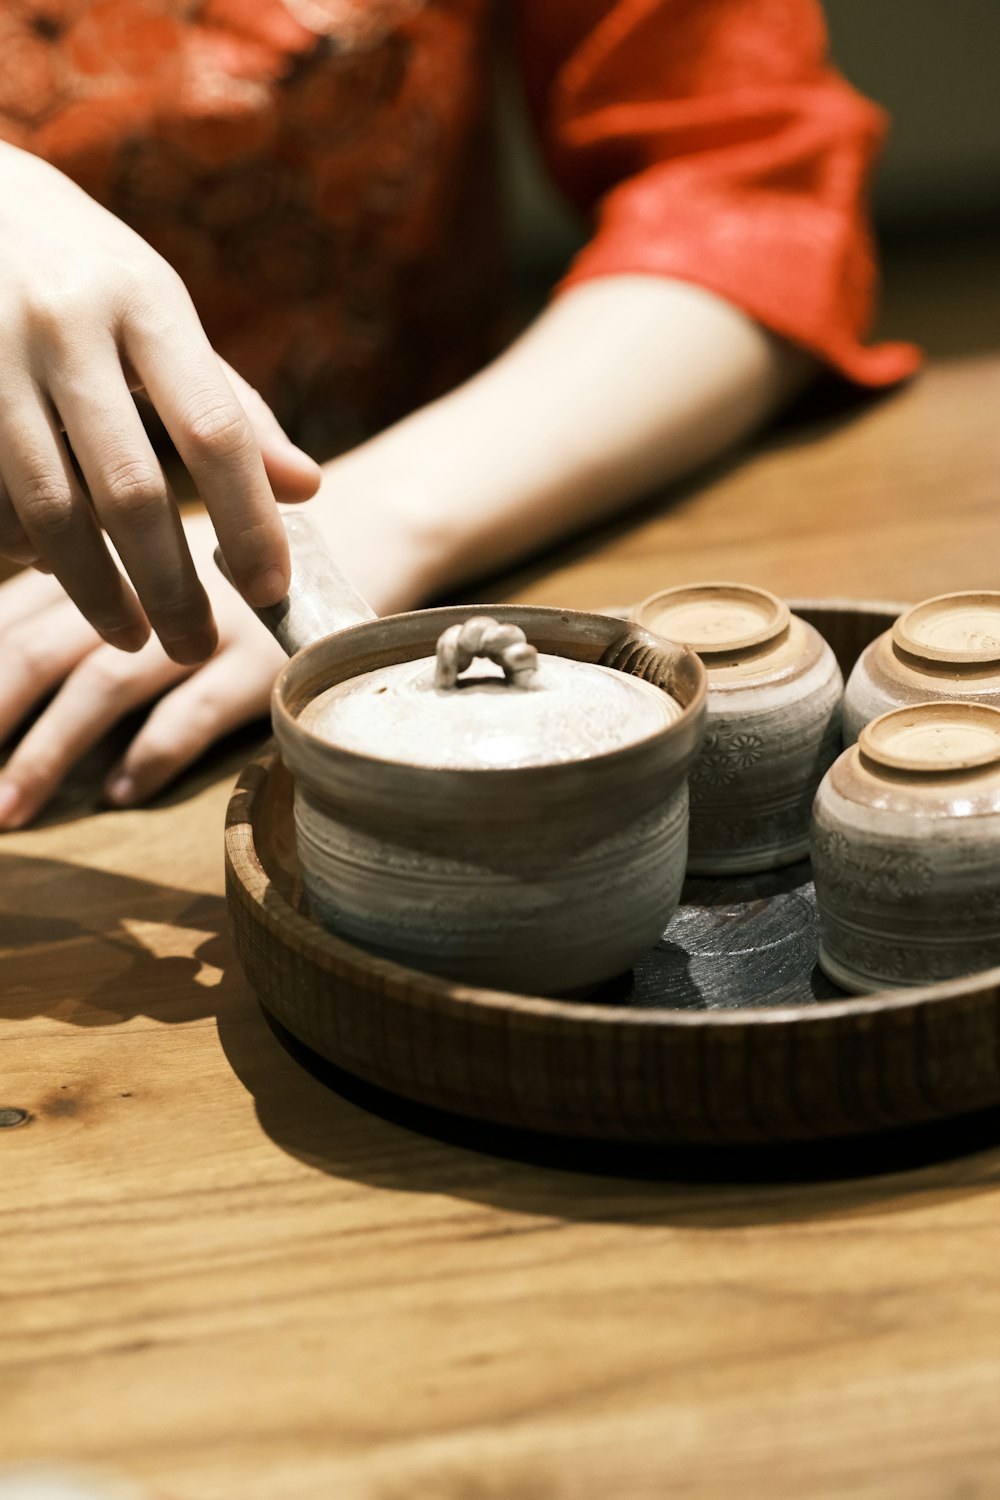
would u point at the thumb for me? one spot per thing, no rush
(293, 474)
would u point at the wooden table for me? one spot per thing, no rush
(223, 1279)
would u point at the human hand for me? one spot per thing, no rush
(91, 313)
(47, 646)
(45, 642)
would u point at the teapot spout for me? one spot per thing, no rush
(320, 600)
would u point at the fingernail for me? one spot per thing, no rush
(191, 649)
(292, 446)
(121, 789)
(300, 456)
(10, 798)
(128, 637)
(267, 588)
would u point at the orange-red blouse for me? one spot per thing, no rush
(321, 172)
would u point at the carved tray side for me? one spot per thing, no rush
(604, 1071)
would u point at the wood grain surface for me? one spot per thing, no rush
(223, 1278)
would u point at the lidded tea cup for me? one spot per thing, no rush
(906, 849)
(522, 825)
(773, 726)
(947, 647)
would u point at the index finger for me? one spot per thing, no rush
(184, 380)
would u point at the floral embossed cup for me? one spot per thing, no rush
(945, 647)
(906, 849)
(774, 699)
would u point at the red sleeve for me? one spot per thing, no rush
(717, 145)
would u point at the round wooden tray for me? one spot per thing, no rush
(726, 1033)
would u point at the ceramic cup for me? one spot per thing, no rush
(947, 647)
(773, 728)
(906, 849)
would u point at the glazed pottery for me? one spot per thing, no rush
(947, 647)
(774, 696)
(524, 826)
(668, 1057)
(906, 849)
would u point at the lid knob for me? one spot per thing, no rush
(507, 645)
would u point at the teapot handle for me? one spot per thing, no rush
(458, 647)
(320, 600)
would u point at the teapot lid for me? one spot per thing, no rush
(518, 709)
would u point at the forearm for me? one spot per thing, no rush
(621, 386)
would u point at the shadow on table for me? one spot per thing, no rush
(96, 948)
(352, 1130)
(390, 1146)
(136, 948)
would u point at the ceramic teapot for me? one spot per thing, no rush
(522, 826)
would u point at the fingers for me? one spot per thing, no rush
(106, 685)
(182, 726)
(21, 597)
(58, 522)
(293, 474)
(131, 497)
(46, 520)
(38, 652)
(13, 540)
(214, 437)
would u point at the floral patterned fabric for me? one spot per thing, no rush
(321, 172)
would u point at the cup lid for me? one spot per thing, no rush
(715, 619)
(957, 629)
(934, 738)
(547, 710)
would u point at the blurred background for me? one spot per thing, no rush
(935, 66)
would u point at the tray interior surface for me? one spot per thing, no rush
(734, 942)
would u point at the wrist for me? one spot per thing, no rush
(376, 530)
